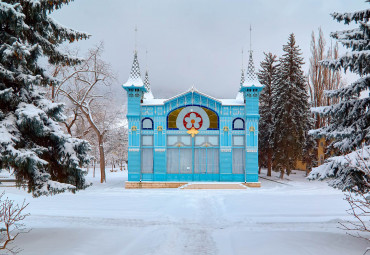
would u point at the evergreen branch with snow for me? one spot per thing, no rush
(350, 172)
(31, 140)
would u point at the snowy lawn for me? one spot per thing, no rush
(298, 218)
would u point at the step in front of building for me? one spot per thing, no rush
(214, 186)
(190, 185)
(153, 185)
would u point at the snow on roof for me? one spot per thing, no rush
(251, 79)
(252, 83)
(150, 100)
(135, 77)
(137, 82)
(192, 89)
(231, 102)
(153, 101)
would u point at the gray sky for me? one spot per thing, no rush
(198, 42)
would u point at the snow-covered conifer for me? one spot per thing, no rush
(31, 140)
(267, 76)
(349, 125)
(290, 109)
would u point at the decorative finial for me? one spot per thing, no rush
(251, 76)
(250, 37)
(135, 38)
(242, 79)
(146, 59)
(242, 58)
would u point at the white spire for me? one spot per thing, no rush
(242, 78)
(251, 77)
(146, 81)
(135, 76)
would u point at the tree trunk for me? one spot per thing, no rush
(282, 174)
(102, 159)
(269, 162)
(259, 169)
(94, 168)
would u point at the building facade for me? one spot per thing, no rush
(192, 136)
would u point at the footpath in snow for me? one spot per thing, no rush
(294, 217)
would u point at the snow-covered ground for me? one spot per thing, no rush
(298, 218)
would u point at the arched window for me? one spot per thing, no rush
(238, 124)
(147, 124)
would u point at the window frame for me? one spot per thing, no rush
(142, 123)
(236, 119)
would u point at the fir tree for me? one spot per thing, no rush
(290, 109)
(31, 141)
(268, 77)
(349, 125)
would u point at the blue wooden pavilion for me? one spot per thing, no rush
(192, 136)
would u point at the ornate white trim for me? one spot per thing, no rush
(159, 150)
(134, 150)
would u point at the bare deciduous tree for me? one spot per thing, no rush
(321, 78)
(82, 87)
(359, 201)
(11, 217)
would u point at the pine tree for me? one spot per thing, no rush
(31, 141)
(290, 109)
(267, 76)
(349, 125)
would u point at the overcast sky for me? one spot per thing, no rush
(198, 42)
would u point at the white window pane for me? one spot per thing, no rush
(185, 140)
(212, 161)
(238, 161)
(213, 140)
(172, 161)
(147, 140)
(199, 140)
(238, 140)
(238, 124)
(186, 161)
(148, 124)
(171, 140)
(147, 161)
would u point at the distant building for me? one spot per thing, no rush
(192, 136)
(321, 150)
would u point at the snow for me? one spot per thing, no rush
(251, 84)
(192, 90)
(148, 95)
(296, 217)
(347, 172)
(232, 102)
(150, 100)
(153, 101)
(131, 82)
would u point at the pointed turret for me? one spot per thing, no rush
(242, 78)
(148, 94)
(251, 77)
(135, 77)
(135, 89)
(146, 81)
